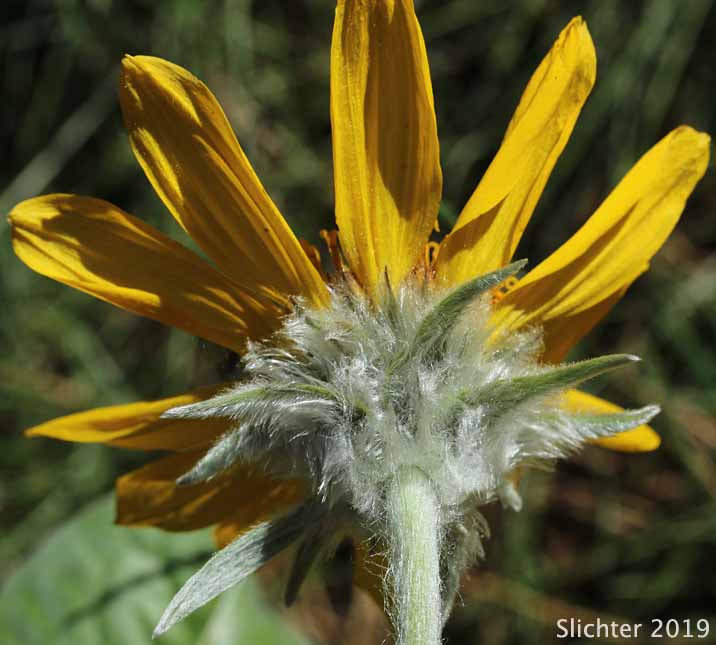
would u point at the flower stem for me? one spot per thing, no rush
(414, 529)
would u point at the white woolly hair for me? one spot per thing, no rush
(357, 395)
(341, 395)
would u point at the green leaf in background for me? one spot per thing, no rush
(94, 583)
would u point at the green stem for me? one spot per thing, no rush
(414, 530)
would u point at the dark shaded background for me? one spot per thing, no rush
(630, 536)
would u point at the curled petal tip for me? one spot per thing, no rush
(128, 62)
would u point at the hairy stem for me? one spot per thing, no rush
(414, 534)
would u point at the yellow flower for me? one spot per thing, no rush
(388, 188)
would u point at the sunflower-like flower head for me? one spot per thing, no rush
(360, 396)
(389, 401)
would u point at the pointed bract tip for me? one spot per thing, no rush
(178, 412)
(184, 480)
(171, 413)
(650, 411)
(513, 267)
(618, 359)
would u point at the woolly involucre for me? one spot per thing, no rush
(354, 396)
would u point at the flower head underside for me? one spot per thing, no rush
(401, 376)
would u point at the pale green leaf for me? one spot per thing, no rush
(94, 583)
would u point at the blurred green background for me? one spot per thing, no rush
(626, 536)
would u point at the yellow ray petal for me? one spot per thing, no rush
(227, 531)
(576, 285)
(491, 224)
(96, 247)
(150, 497)
(276, 499)
(640, 439)
(386, 157)
(138, 425)
(185, 145)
